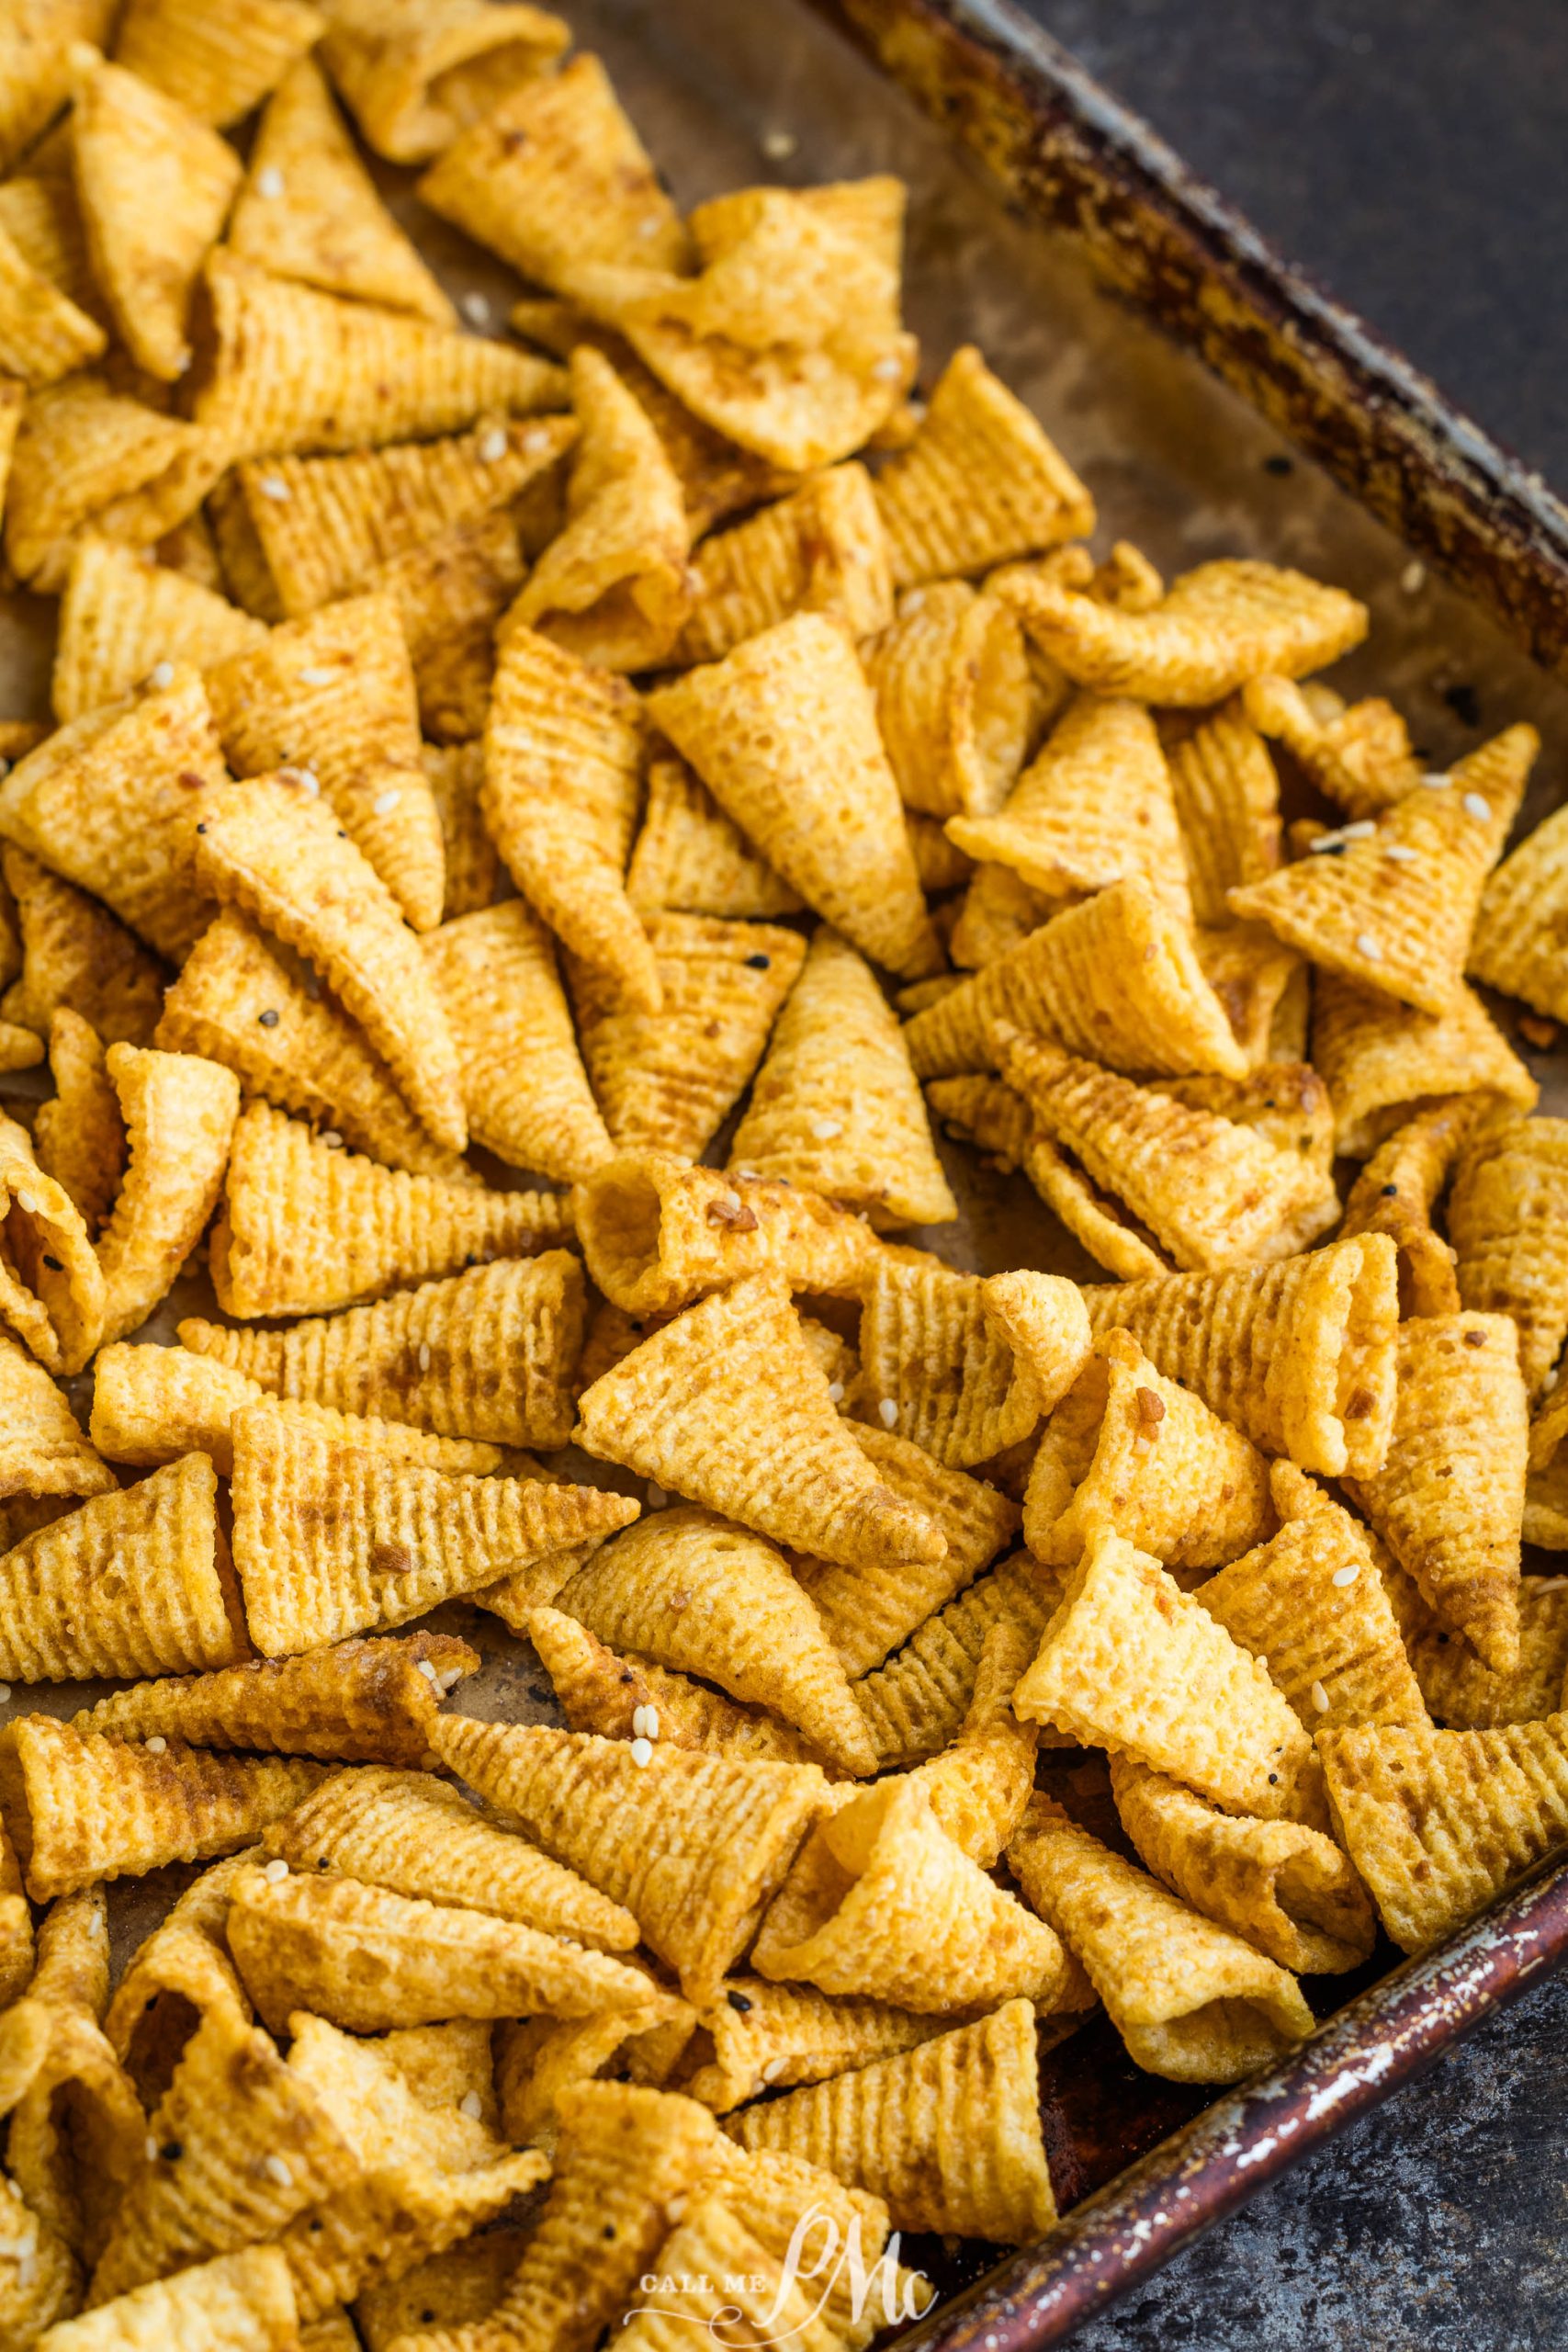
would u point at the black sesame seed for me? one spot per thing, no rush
(1390, 1192)
(53, 1264)
(201, 828)
(758, 963)
(172, 2151)
(268, 1020)
(1278, 465)
(1272, 1778)
(609, 2229)
(738, 2001)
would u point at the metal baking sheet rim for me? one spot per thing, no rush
(1069, 154)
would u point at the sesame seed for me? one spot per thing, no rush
(1545, 1584)
(424, 1356)
(836, 1392)
(657, 1497)
(332, 1138)
(1401, 853)
(269, 180)
(888, 1412)
(1361, 831)
(1474, 806)
(426, 1668)
(25, 1201)
(385, 802)
(273, 486)
(492, 447)
(5, 1694)
(650, 224)
(1348, 1574)
(157, 1744)
(1438, 780)
(730, 1201)
(476, 309)
(1413, 579)
(650, 1718)
(778, 146)
(535, 440)
(276, 2170)
(642, 1751)
(275, 1872)
(471, 2105)
(773, 2069)
(888, 370)
(152, 2149)
(913, 603)
(317, 675)
(161, 674)
(639, 1721)
(826, 1129)
(269, 1018)
(1320, 1698)
(1368, 946)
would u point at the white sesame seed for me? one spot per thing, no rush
(773, 2069)
(1549, 1383)
(650, 1718)
(1438, 780)
(650, 224)
(836, 1392)
(639, 1721)
(1367, 945)
(160, 675)
(1401, 853)
(317, 677)
(275, 1872)
(826, 1129)
(1545, 1584)
(493, 446)
(1320, 1698)
(534, 440)
(5, 1693)
(428, 1670)
(1325, 842)
(273, 486)
(730, 1201)
(304, 780)
(276, 2170)
(25, 1201)
(332, 1138)
(778, 146)
(1474, 806)
(424, 1356)
(642, 1751)
(476, 309)
(385, 802)
(657, 1497)
(269, 181)
(157, 1745)
(1413, 579)
(152, 2149)
(1361, 831)
(912, 603)
(675, 2209)
(1348, 1574)
(888, 370)
(887, 1411)
(471, 2105)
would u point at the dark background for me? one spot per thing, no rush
(1413, 156)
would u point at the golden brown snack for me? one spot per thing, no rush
(52, 1290)
(87, 453)
(1227, 805)
(775, 2036)
(691, 859)
(454, 771)
(75, 954)
(1384, 1062)
(1359, 754)
(1514, 945)
(1397, 1192)
(179, 1112)
(918, 1702)
(217, 61)
(176, 1978)
(820, 550)
(1465, 1695)
(238, 2302)
(418, 74)
(658, 1232)
(621, 1697)
(1506, 1221)
(953, 699)
(121, 618)
(43, 1450)
(37, 72)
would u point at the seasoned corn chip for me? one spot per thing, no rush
(175, 1980)
(241, 2302)
(243, 1000)
(941, 865)
(219, 62)
(600, 1690)
(1300, 1356)
(1215, 628)
(917, 1703)
(777, 2035)
(563, 748)
(84, 451)
(1507, 1219)
(43, 335)
(1094, 806)
(329, 1540)
(980, 1783)
(695, 1846)
(1437, 1821)
(43, 1450)
(52, 1288)
(155, 187)
(979, 484)
(418, 1837)
(1130, 1452)
(658, 1232)
(1449, 1499)
(121, 617)
(1395, 1194)
(1191, 2000)
(948, 2135)
(668, 1082)
(76, 955)
(727, 1405)
(954, 702)
(486, 1355)
(1518, 930)
(721, 2275)
(82, 1807)
(1401, 924)
(371, 1700)
(39, 2282)
(967, 1366)
(1227, 805)
(1546, 1492)
(1263, 987)
(366, 1959)
(446, 2290)
(691, 1591)
(835, 1106)
(451, 595)
(525, 1090)
(399, 2213)
(179, 1112)
(1382, 1062)
(691, 859)
(766, 729)
(1358, 753)
(417, 73)
(35, 69)
(820, 550)
(1459, 1690)
(1130, 1662)
(454, 772)
(109, 800)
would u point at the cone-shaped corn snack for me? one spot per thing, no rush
(396, 2214)
(777, 2035)
(1263, 987)
(488, 1354)
(1191, 2000)
(43, 1450)
(1287, 1890)
(836, 1106)
(52, 1291)
(1216, 627)
(692, 860)
(1228, 804)
(867, 1612)
(524, 1089)
(75, 954)
(454, 771)
(1301, 1356)
(980, 1783)
(37, 70)
(1309, 1603)
(628, 1698)
(110, 801)
(695, 1846)
(1131, 1451)
(154, 185)
(238, 2302)
(331, 1541)
(1461, 1691)
(134, 1582)
(918, 1702)
(308, 208)
(612, 587)
(85, 452)
(307, 1227)
(668, 1082)
(948, 2135)
(563, 753)
(1359, 754)
(1449, 1499)
(120, 617)
(1546, 1490)
(691, 1592)
(416, 75)
(726, 2276)
(1508, 1220)
(658, 1232)
(963, 1370)
(297, 369)
(43, 334)
(179, 1112)
(1393, 911)
(556, 175)
(332, 696)
(955, 703)
(1130, 1662)
(765, 729)
(1515, 945)
(1095, 806)
(372, 1699)
(368, 1959)
(979, 484)
(538, 2058)
(418, 1837)
(1381, 1062)
(891, 1908)
(727, 1405)
(82, 1807)
(821, 551)
(177, 1977)
(1397, 1192)
(218, 62)
(1437, 1821)
(41, 2283)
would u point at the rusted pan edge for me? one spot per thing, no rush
(1068, 153)
(1376, 2046)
